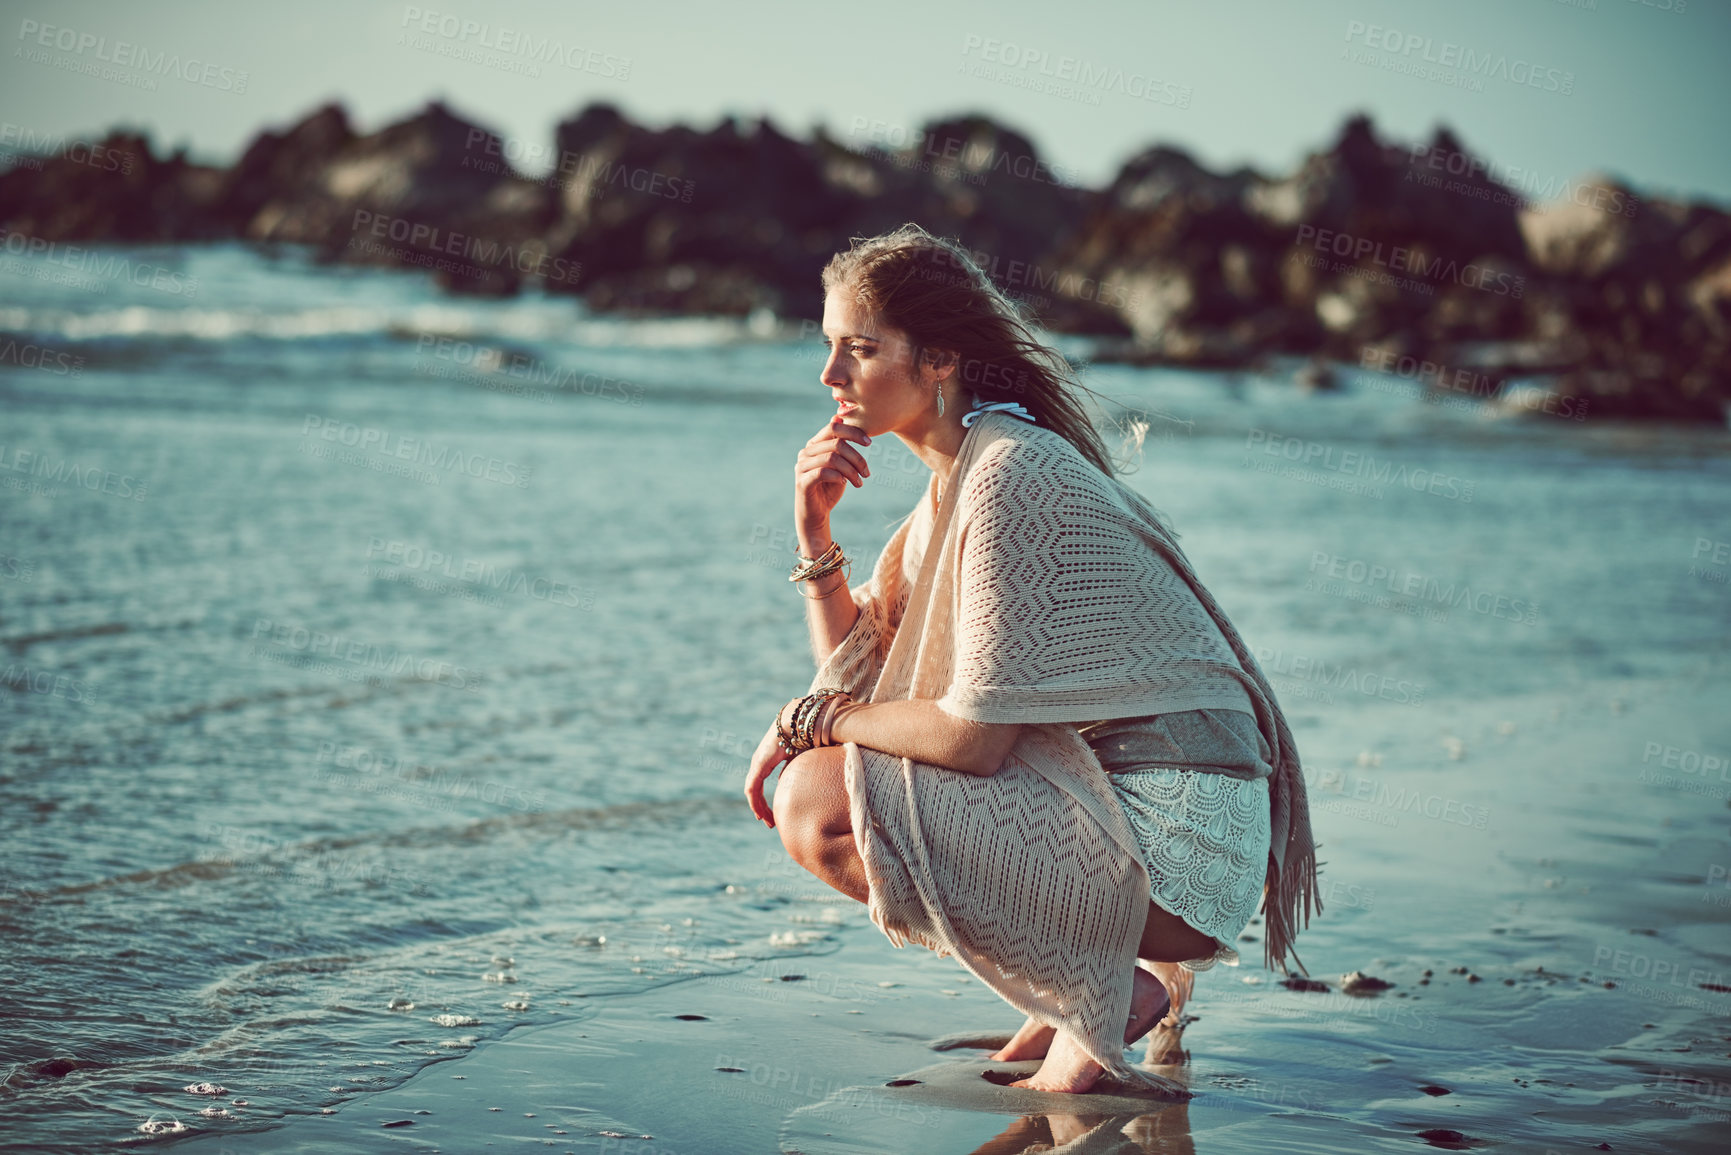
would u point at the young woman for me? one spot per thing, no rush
(1034, 740)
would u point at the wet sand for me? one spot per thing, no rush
(1555, 944)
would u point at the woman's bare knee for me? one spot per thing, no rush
(805, 801)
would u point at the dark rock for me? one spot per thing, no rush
(430, 192)
(1393, 258)
(279, 166)
(116, 190)
(1357, 982)
(1645, 291)
(1295, 983)
(1316, 376)
(743, 217)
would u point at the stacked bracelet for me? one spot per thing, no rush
(840, 588)
(810, 725)
(807, 568)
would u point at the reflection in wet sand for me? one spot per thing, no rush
(1166, 1130)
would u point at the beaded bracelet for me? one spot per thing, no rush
(800, 734)
(802, 716)
(805, 728)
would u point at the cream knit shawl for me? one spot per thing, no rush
(1041, 591)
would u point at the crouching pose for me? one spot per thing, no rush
(1034, 740)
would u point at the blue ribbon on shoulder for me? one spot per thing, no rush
(981, 407)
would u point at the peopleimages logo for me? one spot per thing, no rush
(1520, 185)
(124, 54)
(389, 444)
(1471, 275)
(1496, 66)
(92, 263)
(1341, 677)
(33, 146)
(1403, 583)
(475, 572)
(309, 644)
(513, 42)
(1086, 76)
(1355, 464)
(427, 241)
(1437, 378)
(32, 464)
(965, 155)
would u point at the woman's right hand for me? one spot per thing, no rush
(824, 469)
(764, 760)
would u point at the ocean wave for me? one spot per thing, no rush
(253, 850)
(540, 320)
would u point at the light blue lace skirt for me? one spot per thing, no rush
(1204, 833)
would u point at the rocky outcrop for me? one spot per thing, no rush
(1387, 257)
(114, 189)
(1370, 253)
(743, 217)
(430, 192)
(1633, 308)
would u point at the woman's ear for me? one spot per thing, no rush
(941, 361)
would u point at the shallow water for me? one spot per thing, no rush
(345, 672)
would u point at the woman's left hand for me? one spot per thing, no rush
(764, 760)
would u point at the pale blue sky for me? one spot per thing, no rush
(1264, 80)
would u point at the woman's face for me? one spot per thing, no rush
(870, 371)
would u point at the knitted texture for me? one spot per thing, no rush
(1041, 591)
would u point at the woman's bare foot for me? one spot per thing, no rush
(1034, 1040)
(1031, 1042)
(1067, 1067)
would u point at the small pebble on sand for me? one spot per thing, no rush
(1295, 983)
(1357, 982)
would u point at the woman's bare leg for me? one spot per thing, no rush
(1165, 939)
(1168, 938)
(1148, 1000)
(811, 814)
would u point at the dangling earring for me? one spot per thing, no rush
(940, 398)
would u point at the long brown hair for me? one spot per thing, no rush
(932, 290)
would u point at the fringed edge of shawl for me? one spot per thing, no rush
(1291, 894)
